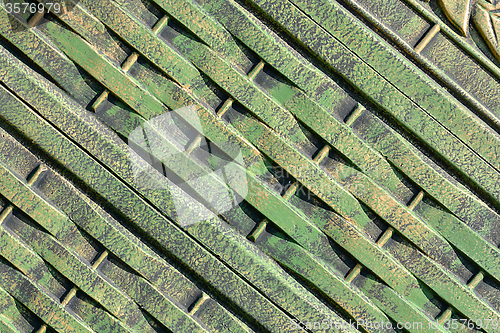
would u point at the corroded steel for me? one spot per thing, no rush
(249, 166)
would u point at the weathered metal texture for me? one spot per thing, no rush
(369, 140)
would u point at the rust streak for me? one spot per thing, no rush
(256, 70)
(223, 109)
(353, 273)
(416, 200)
(39, 170)
(160, 24)
(100, 99)
(199, 302)
(355, 115)
(36, 18)
(69, 296)
(254, 235)
(427, 38)
(42, 329)
(100, 259)
(475, 281)
(322, 154)
(385, 236)
(5, 213)
(130, 61)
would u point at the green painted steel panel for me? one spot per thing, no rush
(249, 166)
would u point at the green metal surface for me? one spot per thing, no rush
(364, 147)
